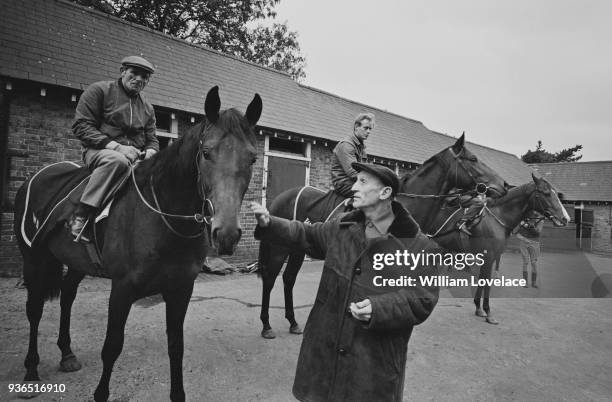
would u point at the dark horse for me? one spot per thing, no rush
(145, 252)
(453, 167)
(499, 217)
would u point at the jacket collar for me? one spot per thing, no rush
(403, 226)
(358, 143)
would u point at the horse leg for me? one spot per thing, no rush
(119, 305)
(486, 307)
(42, 277)
(176, 308)
(271, 263)
(485, 273)
(291, 270)
(34, 309)
(479, 312)
(70, 284)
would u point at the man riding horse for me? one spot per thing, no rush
(115, 124)
(352, 149)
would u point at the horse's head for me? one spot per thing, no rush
(546, 201)
(226, 154)
(465, 171)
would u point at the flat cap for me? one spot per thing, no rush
(384, 174)
(137, 61)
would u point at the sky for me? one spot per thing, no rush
(508, 73)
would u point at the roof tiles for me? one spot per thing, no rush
(579, 181)
(60, 43)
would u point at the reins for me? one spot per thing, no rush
(536, 194)
(199, 218)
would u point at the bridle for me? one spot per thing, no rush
(479, 187)
(537, 204)
(204, 217)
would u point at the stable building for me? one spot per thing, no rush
(586, 191)
(53, 49)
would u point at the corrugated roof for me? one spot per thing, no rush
(579, 181)
(60, 43)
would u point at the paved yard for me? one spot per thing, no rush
(544, 348)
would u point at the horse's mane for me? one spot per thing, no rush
(169, 159)
(172, 158)
(512, 193)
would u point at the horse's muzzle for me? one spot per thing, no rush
(226, 240)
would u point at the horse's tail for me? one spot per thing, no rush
(52, 281)
(42, 273)
(264, 257)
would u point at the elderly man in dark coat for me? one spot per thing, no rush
(356, 337)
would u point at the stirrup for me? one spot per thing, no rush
(78, 237)
(463, 228)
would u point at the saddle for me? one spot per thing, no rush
(315, 205)
(53, 194)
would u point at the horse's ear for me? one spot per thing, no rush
(253, 112)
(212, 105)
(459, 144)
(535, 178)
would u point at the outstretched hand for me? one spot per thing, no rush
(261, 214)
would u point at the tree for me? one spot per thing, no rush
(226, 26)
(540, 155)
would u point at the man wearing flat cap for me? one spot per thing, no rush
(116, 125)
(356, 337)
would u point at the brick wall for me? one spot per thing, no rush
(39, 130)
(39, 133)
(602, 225)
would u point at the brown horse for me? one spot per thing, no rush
(154, 240)
(499, 217)
(453, 167)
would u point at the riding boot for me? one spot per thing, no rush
(534, 277)
(525, 276)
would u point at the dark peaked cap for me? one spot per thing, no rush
(137, 61)
(384, 174)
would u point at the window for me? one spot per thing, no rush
(167, 127)
(281, 146)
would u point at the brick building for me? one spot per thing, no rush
(52, 50)
(587, 195)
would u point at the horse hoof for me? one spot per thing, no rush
(268, 333)
(69, 364)
(480, 313)
(492, 320)
(296, 329)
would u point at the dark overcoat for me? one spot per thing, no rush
(341, 358)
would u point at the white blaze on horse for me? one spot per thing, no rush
(498, 218)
